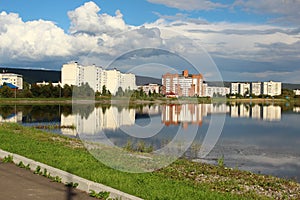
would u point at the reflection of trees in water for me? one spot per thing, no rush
(32, 112)
(84, 110)
(66, 110)
(104, 107)
(43, 113)
(6, 111)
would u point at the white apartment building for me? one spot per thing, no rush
(266, 88)
(244, 88)
(271, 88)
(234, 89)
(240, 88)
(14, 79)
(96, 77)
(256, 88)
(210, 91)
(150, 88)
(297, 91)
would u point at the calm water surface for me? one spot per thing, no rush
(259, 138)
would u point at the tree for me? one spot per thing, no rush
(67, 91)
(104, 91)
(83, 91)
(287, 93)
(35, 90)
(6, 91)
(120, 92)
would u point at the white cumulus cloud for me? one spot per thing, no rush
(87, 19)
(31, 40)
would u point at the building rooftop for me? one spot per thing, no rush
(11, 86)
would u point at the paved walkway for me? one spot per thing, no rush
(21, 184)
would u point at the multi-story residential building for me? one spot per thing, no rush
(211, 91)
(183, 84)
(255, 88)
(244, 89)
(15, 79)
(271, 88)
(240, 88)
(153, 88)
(96, 77)
(297, 92)
(266, 88)
(128, 81)
(234, 89)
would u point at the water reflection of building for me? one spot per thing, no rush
(151, 110)
(267, 113)
(13, 117)
(296, 109)
(100, 119)
(185, 114)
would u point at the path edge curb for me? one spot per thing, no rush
(66, 177)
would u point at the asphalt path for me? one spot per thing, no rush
(22, 184)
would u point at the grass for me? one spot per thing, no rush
(181, 180)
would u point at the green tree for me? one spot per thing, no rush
(287, 93)
(35, 90)
(104, 90)
(6, 92)
(67, 91)
(120, 92)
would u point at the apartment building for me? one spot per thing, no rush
(15, 79)
(76, 74)
(153, 88)
(234, 89)
(211, 91)
(255, 88)
(240, 88)
(184, 84)
(271, 88)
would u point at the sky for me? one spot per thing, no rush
(233, 40)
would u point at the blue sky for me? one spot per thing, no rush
(241, 39)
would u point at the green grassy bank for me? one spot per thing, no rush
(181, 180)
(161, 100)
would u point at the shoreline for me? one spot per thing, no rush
(191, 178)
(144, 101)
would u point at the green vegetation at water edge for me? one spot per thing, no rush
(181, 180)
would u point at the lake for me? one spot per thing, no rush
(259, 138)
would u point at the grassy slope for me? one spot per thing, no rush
(173, 182)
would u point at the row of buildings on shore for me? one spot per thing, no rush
(188, 85)
(269, 88)
(97, 77)
(172, 85)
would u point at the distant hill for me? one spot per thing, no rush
(290, 86)
(35, 75)
(143, 80)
